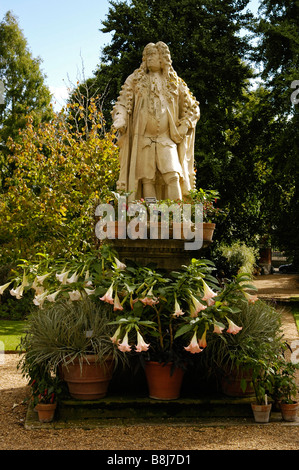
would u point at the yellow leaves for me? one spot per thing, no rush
(63, 210)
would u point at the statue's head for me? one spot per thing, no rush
(156, 53)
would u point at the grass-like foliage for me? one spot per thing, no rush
(261, 324)
(65, 331)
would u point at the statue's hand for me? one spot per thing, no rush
(183, 129)
(120, 124)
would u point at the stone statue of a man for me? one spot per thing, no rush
(156, 115)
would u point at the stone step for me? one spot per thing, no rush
(117, 410)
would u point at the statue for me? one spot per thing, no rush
(155, 116)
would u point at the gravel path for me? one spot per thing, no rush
(13, 436)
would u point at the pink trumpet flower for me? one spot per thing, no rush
(233, 329)
(124, 345)
(107, 297)
(141, 344)
(208, 292)
(251, 298)
(193, 347)
(202, 342)
(149, 299)
(177, 309)
(218, 329)
(117, 304)
(114, 338)
(196, 306)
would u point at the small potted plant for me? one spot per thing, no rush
(285, 389)
(45, 391)
(262, 380)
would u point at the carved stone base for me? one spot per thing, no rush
(165, 254)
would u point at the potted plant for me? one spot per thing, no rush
(262, 364)
(285, 389)
(72, 340)
(227, 356)
(44, 395)
(46, 389)
(166, 319)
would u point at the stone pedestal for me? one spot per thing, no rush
(165, 254)
(168, 254)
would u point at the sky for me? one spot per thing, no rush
(66, 35)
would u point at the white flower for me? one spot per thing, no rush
(62, 277)
(39, 299)
(75, 295)
(87, 283)
(52, 297)
(89, 291)
(119, 264)
(40, 279)
(2, 288)
(18, 292)
(73, 278)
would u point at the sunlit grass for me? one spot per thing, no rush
(10, 334)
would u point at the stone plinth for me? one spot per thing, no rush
(167, 254)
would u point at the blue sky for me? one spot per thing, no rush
(64, 33)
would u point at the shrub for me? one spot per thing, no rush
(234, 259)
(261, 324)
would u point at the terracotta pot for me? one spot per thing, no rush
(208, 231)
(161, 384)
(231, 383)
(46, 411)
(89, 381)
(289, 411)
(261, 413)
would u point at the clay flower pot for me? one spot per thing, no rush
(162, 384)
(90, 380)
(231, 383)
(46, 411)
(208, 231)
(261, 413)
(289, 411)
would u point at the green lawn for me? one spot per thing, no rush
(10, 334)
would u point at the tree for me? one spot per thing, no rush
(278, 54)
(207, 52)
(59, 175)
(25, 92)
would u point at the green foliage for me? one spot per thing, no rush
(234, 259)
(261, 325)
(277, 55)
(24, 89)
(284, 381)
(59, 173)
(65, 331)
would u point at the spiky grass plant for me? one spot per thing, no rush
(65, 331)
(261, 324)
